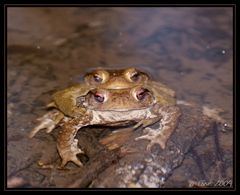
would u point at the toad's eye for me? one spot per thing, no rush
(99, 97)
(141, 94)
(97, 78)
(135, 76)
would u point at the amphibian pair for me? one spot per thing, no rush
(111, 97)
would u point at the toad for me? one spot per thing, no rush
(137, 105)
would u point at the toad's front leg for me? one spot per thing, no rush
(168, 123)
(67, 145)
(48, 121)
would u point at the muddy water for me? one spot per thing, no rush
(189, 49)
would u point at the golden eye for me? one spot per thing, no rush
(135, 76)
(97, 78)
(100, 76)
(132, 75)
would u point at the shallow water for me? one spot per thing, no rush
(189, 49)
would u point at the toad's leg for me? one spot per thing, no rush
(147, 122)
(170, 115)
(143, 123)
(66, 144)
(48, 121)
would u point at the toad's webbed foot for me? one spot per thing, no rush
(169, 117)
(66, 144)
(69, 153)
(48, 121)
(155, 137)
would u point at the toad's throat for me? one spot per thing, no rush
(113, 116)
(119, 110)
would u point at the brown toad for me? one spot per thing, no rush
(112, 107)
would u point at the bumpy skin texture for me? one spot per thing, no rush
(81, 106)
(128, 78)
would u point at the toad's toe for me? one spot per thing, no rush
(69, 153)
(49, 124)
(154, 137)
(70, 157)
(161, 142)
(48, 121)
